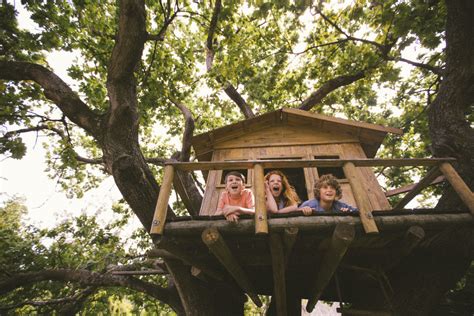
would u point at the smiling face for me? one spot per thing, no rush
(327, 193)
(276, 185)
(234, 185)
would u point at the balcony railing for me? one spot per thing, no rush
(439, 166)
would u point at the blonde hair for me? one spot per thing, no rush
(290, 197)
(327, 179)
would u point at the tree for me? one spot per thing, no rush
(147, 63)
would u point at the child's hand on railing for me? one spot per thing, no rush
(306, 210)
(232, 217)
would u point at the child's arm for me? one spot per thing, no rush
(249, 205)
(270, 202)
(306, 208)
(288, 209)
(343, 207)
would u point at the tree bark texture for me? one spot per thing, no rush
(450, 130)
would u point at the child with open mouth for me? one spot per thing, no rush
(281, 197)
(236, 199)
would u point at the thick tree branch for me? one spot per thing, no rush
(188, 130)
(229, 89)
(210, 34)
(55, 90)
(184, 183)
(120, 143)
(89, 278)
(327, 88)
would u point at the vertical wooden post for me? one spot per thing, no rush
(158, 223)
(412, 238)
(459, 185)
(278, 268)
(341, 239)
(360, 195)
(261, 223)
(221, 251)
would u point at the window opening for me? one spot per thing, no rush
(338, 172)
(242, 171)
(295, 178)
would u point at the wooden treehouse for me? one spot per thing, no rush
(326, 256)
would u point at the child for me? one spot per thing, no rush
(280, 195)
(327, 192)
(236, 199)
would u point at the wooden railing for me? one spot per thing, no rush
(350, 166)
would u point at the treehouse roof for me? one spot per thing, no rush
(369, 135)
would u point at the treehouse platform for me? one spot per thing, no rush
(326, 256)
(361, 258)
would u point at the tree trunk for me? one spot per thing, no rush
(450, 130)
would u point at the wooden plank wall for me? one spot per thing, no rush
(297, 140)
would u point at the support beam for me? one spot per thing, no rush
(341, 239)
(410, 187)
(289, 239)
(412, 238)
(426, 181)
(187, 258)
(261, 223)
(221, 251)
(159, 217)
(279, 279)
(321, 225)
(302, 163)
(362, 199)
(459, 185)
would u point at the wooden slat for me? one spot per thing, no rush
(459, 185)
(278, 267)
(363, 203)
(341, 239)
(261, 223)
(299, 163)
(216, 244)
(161, 208)
(426, 181)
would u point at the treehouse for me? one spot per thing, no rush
(353, 258)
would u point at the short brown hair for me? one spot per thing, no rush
(327, 179)
(234, 173)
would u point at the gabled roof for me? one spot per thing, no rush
(370, 135)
